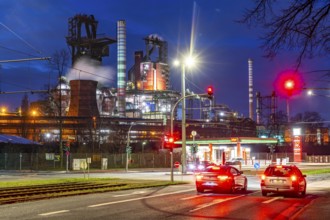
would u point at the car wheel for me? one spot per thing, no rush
(303, 193)
(245, 187)
(200, 189)
(264, 193)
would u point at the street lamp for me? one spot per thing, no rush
(34, 113)
(128, 149)
(189, 61)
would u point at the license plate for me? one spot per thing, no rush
(210, 184)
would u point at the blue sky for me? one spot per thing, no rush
(39, 27)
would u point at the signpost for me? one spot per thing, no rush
(194, 150)
(177, 164)
(256, 166)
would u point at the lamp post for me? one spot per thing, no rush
(127, 145)
(34, 113)
(143, 143)
(189, 61)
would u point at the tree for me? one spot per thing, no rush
(311, 120)
(60, 61)
(300, 25)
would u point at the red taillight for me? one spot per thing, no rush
(223, 177)
(199, 177)
(293, 178)
(263, 177)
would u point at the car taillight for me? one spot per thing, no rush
(223, 177)
(199, 177)
(263, 177)
(293, 178)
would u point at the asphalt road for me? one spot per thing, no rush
(173, 202)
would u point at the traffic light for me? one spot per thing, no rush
(210, 92)
(194, 149)
(288, 83)
(169, 141)
(128, 149)
(289, 86)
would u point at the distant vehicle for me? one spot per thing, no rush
(235, 161)
(200, 166)
(283, 179)
(221, 178)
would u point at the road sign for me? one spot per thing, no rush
(177, 164)
(256, 165)
(83, 164)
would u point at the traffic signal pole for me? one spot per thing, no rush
(172, 115)
(127, 145)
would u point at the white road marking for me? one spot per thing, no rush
(54, 213)
(133, 193)
(214, 202)
(273, 199)
(197, 196)
(140, 198)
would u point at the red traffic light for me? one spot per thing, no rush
(169, 141)
(288, 84)
(210, 92)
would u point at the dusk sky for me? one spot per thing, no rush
(37, 28)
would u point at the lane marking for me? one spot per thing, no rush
(133, 193)
(140, 198)
(214, 202)
(273, 199)
(54, 213)
(197, 196)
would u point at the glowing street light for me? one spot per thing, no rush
(188, 61)
(3, 110)
(34, 113)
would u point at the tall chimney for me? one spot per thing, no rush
(121, 67)
(250, 64)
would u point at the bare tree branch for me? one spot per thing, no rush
(301, 26)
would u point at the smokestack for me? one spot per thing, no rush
(121, 67)
(259, 107)
(83, 98)
(250, 65)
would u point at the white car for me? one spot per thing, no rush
(283, 179)
(235, 161)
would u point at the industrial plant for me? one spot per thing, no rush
(81, 115)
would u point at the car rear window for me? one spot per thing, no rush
(217, 169)
(279, 171)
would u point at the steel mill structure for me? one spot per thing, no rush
(96, 118)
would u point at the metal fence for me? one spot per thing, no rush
(49, 161)
(38, 161)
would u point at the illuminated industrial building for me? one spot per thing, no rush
(101, 115)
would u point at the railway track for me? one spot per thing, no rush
(37, 192)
